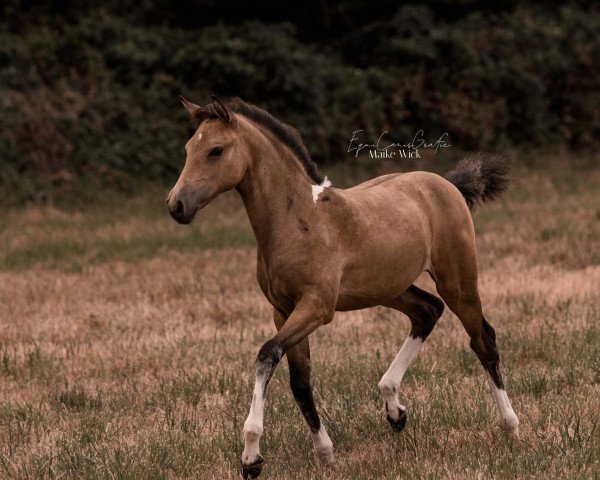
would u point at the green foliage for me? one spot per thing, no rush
(90, 92)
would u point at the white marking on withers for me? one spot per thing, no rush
(391, 380)
(318, 189)
(509, 422)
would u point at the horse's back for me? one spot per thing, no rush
(403, 182)
(374, 181)
(411, 193)
(426, 195)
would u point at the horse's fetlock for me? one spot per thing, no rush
(510, 422)
(324, 454)
(252, 430)
(386, 388)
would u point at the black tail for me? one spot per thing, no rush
(480, 179)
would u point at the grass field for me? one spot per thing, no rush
(127, 346)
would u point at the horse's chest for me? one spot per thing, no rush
(272, 285)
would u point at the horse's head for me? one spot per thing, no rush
(216, 160)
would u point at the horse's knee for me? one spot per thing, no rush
(269, 355)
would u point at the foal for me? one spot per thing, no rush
(322, 249)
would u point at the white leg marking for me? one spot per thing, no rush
(253, 426)
(390, 382)
(318, 189)
(323, 446)
(506, 415)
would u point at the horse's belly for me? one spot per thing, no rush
(352, 301)
(379, 278)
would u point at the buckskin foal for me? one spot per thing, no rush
(322, 249)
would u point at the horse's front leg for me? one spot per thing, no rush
(310, 313)
(299, 362)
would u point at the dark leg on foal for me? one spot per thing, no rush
(483, 343)
(299, 364)
(309, 314)
(484, 346)
(423, 309)
(454, 270)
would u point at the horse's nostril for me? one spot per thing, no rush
(179, 208)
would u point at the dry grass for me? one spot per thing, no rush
(127, 346)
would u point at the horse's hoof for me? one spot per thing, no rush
(398, 425)
(513, 435)
(510, 425)
(253, 470)
(325, 457)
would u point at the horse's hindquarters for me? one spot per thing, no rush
(386, 245)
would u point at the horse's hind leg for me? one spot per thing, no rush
(457, 284)
(423, 310)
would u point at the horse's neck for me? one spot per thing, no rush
(276, 190)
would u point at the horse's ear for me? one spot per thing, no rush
(194, 110)
(222, 111)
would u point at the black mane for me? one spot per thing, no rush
(284, 132)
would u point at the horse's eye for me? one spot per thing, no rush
(216, 152)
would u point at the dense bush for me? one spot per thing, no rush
(89, 92)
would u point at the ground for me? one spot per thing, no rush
(127, 345)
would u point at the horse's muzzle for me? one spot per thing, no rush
(185, 202)
(178, 212)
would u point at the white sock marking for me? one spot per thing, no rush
(391, 380)
(506, 415)
(318, 189)
(253, 426)
(323, 445)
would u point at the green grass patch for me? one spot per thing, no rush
(74, 255)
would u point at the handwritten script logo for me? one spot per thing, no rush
(381, 149)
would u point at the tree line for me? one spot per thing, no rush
(90, 90)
